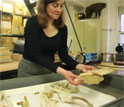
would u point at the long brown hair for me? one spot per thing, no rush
(43, 17)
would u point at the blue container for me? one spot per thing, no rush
(91, 57)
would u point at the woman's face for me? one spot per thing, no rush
(55, 9)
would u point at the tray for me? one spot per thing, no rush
(95, 97)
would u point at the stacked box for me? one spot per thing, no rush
(7, 7)
(9, 42)
(6, 17)
(6, 31)
(5, 55)
(10, 46)
(6, 24)
(16, 57)
(17, 20)
(17, 25)
(6, 27)
(19, 8)
(18, 30)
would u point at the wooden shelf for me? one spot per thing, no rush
(8, 35)
(6, 12)
(24, 17)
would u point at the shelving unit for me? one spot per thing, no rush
(13, 21)
(19, 36)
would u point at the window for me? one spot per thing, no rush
(122, 29)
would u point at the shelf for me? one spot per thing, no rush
(6, 13)
(30, 6)
(12, 35)
(24, 17)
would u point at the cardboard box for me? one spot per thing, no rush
(6, 24)
(10, 46)
(17, 20)
(7, 40)
(18, 30)
(7, 7)
(19, 8)
(4, 50)
(5, 57)
(15, 39)
(16, 57)
(6, 31)
(6, 17)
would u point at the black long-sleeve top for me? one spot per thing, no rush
(40, 48)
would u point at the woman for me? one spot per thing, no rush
(46, 34)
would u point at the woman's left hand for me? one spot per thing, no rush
(84, 68)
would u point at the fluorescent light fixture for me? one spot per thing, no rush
(32, 1)
(18, 0)
(22, 1)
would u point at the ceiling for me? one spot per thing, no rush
(22, 1)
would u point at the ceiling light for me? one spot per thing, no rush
(32, 1)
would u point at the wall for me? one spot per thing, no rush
(72, 8)
(110, 26)
(109, 19)
(71, 33)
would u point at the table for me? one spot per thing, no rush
(9, 66)
(111, 65)
(8, 70)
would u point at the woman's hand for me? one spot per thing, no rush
(84, 68)
(69, 76)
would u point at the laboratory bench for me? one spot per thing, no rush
(112, 85)
(8, 70)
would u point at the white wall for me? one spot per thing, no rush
(71, 33)
(73, 8)
(110, 27)
(109, 22)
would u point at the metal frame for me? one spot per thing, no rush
(30, 6)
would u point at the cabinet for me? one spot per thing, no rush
(89, 35)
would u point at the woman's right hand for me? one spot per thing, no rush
(69, 76)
